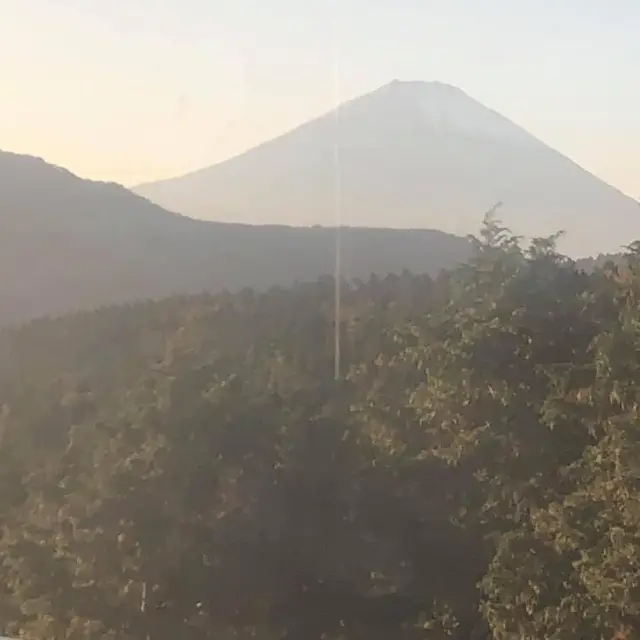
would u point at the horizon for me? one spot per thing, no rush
(121, 93)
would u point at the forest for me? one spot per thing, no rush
(191, 468)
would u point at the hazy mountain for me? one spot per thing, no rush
(411, 154)
(68, 243)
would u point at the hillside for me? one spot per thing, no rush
(472, 473)
(412, 155)
(68, 243)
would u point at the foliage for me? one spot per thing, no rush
(190, 468)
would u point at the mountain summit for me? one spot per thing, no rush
(409, 155)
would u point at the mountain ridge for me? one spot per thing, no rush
(68, 244)
(327, 114)
(413, 155)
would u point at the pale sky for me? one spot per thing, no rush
(137, 90)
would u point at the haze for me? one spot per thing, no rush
(135, 92)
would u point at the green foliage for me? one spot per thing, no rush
(190, 468)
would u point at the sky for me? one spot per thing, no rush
(139, 90)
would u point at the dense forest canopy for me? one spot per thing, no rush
(190, 468)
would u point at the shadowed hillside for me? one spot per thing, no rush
(67, 243)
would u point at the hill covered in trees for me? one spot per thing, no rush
(190, 468)
(69, 244)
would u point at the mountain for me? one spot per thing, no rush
(411, 155)
(68, 243)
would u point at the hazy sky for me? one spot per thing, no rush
(134, 90)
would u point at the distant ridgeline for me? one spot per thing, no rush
(190, 468)
(68, 244)
(416, 156)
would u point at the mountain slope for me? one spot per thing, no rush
(412, 155)
(68, 243)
